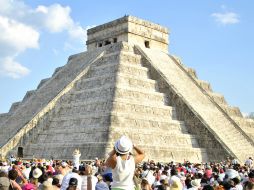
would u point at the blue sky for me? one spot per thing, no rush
(213, 37)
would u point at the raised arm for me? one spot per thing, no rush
(140, 155)
(111, 160)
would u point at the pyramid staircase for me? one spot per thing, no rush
(246, 124)
(195, 101)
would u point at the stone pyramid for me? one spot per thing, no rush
(126, 83)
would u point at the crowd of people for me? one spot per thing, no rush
(123, 170)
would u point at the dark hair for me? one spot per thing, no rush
(56, 182)
(208, 187)
(173, 172)
(13, 174)
(43, 177)
(73, 181)
(236, 180)
(251, 174)
(71, 188)
(188, 182)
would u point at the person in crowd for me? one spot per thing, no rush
(73, 184)
(13, 175)
(87, 177)
(123, 163)
(101, 184)
(67, 177)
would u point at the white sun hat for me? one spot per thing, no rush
(37, 173)
(123, 145)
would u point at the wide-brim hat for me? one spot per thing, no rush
(37, 173)
(195, 183)
(231, 173)
(4, 183)
(123, 145)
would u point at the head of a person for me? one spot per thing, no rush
(208, 187)
(56, 182)
(108, 177)
(144, 182)
(195, 183)
(13, 174)
(36, 173)
(249, 186)
(173, 171)
(176, 185)
(123, 146)
(73, 182)
(251, 176)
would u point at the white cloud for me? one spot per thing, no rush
(56, 18)
(20, 28)
(226, 18)
(17, 36)
(13, 69)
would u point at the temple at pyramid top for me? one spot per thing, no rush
(129, 29)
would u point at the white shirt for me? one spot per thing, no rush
(123, 173)
(84, 182)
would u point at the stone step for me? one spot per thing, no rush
(120, 79)
(180, 140)
(99, 118)
(177, 154)
(231, 111)
(169, 128)
(14, 106)
(139, 122)
(117, 119)
(164, 111)
(218, 98)
(139, 94)
(28, 95)
(165, 139)
(3, 118)
(43, 81)
(123, 68)
(56, 70)
(192, 72)
(92, 101)
(205, 85)
(89, 150)
(122, 57)
(110, 91)
(243, 122)
(120, 112)
(120, 105)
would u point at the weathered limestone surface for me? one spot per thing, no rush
(245, 124)
(130, 29)
(230, 135)
(37, 100)
(116, 97)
